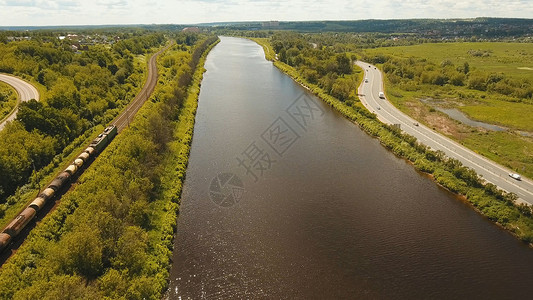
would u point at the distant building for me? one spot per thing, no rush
(72, 37)
(191, 29)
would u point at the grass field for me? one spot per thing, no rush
(515, 60)
(513, 115)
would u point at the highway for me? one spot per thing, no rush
(25, 91)
(388, 113)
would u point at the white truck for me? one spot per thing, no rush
(381, 95)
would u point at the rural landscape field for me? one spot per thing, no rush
(182, 150)
(497, 91)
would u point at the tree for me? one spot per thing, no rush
(80, 252)
(466, 68)
(477, 81)
(341, 89)
(344, 64)
(131, 250)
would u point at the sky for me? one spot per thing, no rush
(99, 12)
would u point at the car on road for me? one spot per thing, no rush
(415, 123)
(515, 176)
(366, 80)
(382, 95)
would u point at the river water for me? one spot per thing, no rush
(286, 199)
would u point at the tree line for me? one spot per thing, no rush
(330, 69)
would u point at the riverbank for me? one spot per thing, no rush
(491, 202)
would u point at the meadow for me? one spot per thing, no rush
(513, 59)
(491, 82)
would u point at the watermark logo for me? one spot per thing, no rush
(262, 153)
(280, 136)
(226, 189)
(304, 110)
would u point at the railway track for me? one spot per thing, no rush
(122, 120)
(18, 229)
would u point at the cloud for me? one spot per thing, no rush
(76, 12)
(29, 3)
(113, 4)
(39, 4)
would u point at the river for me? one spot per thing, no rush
(286, 199)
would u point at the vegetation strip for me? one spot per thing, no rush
(8, 100)
(117, 242)
(486, 198)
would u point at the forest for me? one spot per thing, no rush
(112, 239)
(79, 90)
(432, 29)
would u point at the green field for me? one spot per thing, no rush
(513, 115)
(511, 61)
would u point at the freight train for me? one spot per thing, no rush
(20, 222)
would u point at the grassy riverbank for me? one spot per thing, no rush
(485, 198)
(111, 239)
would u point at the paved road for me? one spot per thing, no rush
(387, 113)
(125, 117)
(25, 90)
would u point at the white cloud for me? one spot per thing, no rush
(76, 12)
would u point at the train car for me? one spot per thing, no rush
(84, 156)
(38, 203)
(78, 162)
(47, 193)
(71, 169)
(17, 224)
(20, 221)
(4, 240)
(89, 150)
(101, 141)
(59, 181)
